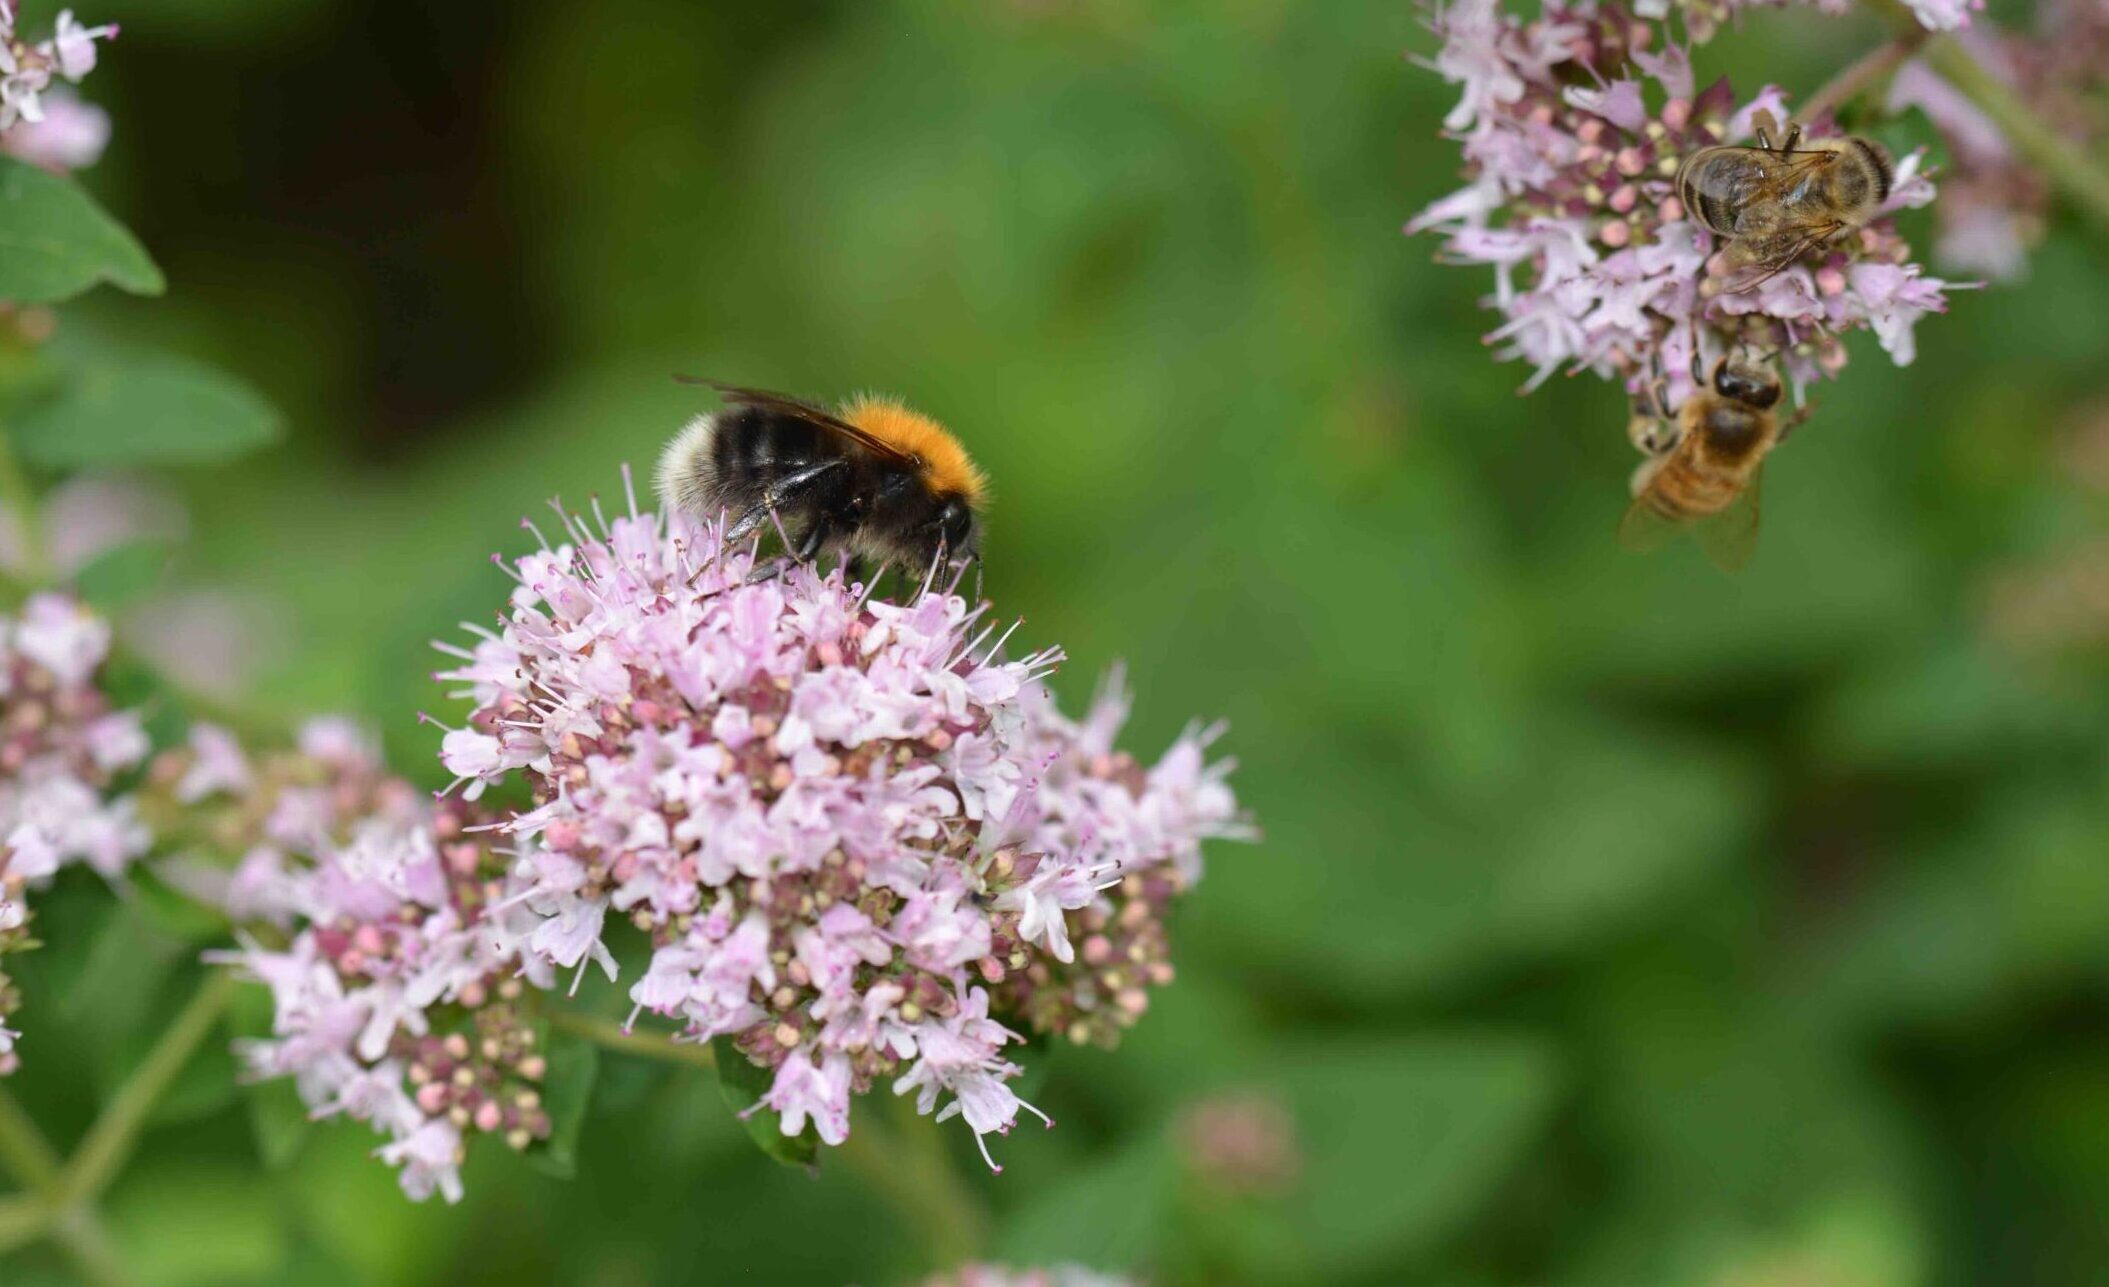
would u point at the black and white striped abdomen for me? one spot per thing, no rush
(726, 460)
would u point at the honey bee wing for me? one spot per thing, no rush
(1782, 171)
(1757, 177)
(1806, 237)
(1730, 537)
(799, 408)
(1645, 528)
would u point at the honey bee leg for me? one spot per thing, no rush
(1795, 421)
(1793, 137)
(1698, 378)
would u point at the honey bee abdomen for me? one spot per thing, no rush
(1878, 165)
(1716, 184)
(1688, 488)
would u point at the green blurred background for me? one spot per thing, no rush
(1617, 922)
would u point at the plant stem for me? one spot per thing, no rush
(1862, 75)
(82, 1236)
(609, 1035)
(41, 1212)
(23, 1220)
(20, 501)
(23, 1148)
(909, 1170)
(2085, 184)
(109, 1141)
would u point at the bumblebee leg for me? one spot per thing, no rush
(816, 536)
(774, 497)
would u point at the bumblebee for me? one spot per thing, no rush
(871, 479)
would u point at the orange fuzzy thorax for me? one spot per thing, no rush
(947, 469)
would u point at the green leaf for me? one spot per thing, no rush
(567, 1090)
(1405, 1140)
(121, 575)
(113, 1004)
(172, 913)
(278, 1121)
(1112, 1214)
(199, 1224)
(55, 242)
(209, 1082)
(139, 409)
(743, 1083)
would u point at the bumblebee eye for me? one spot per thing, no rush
(956, 524)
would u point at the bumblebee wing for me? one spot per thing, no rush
(1730, 536)
(800, 409)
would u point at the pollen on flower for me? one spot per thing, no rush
(1571, 201)
(863, 842)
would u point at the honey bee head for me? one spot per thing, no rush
(1752, 384)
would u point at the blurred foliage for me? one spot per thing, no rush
(1616, 923)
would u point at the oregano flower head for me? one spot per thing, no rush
(865, 847)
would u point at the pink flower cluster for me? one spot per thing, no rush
(1571, 201)
(1993, 204)
(62, 752)
(857, 838)
(398, 999)
(63, 132)
(1703, 19)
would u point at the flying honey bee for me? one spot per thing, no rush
(1772, 204)
(871, 479)
(1704, 473)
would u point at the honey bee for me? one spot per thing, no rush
(1772, 204)
(871, 479)
(1704, 471)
